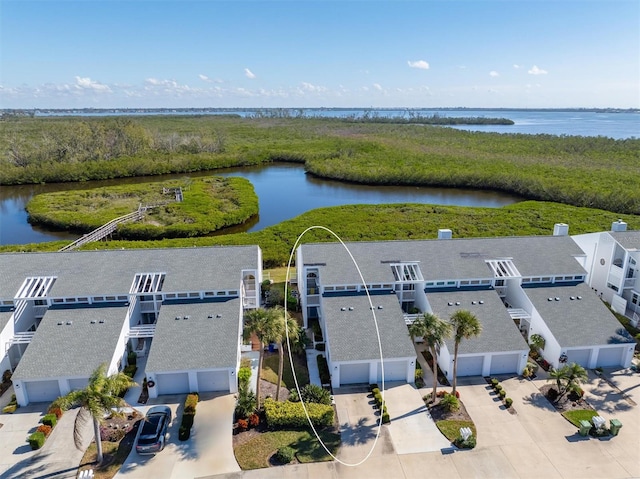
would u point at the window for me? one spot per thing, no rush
(406, 272)
(500, 282)
(208, 294)
(613, 287)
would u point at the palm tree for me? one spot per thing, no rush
(265, 324)
(576, 375)
(465, 325)
(280, 336)
(558, 375)
(434, 331)
(97, 399)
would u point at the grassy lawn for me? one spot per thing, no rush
(577, 415)
(451, 428)
(278, 275)
(270, 370)
(255, 453)
(115, 454)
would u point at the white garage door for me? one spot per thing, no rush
(354, 373)
(393, 371)
(610, 357)
(578, 356)
(75, 384)
(175, 383)
(42, 391)
(470, 365)
(213, 381)
(504, 363)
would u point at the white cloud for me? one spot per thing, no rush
(420, 64)
(377, 86)
(205, 78)
(308, 87)
(516, 66)
(89, 84)
(537, 71)
(249, 74)
(494, 73)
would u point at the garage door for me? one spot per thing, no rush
(75, 384)
(42, 391)
(504, 363)
(610, 357)
(578, 356)
(470, 365)
(175, 383)
(393, 371)
(354, 373)
(213, 381)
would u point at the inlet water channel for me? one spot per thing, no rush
(284, 191)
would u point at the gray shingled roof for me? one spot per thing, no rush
(90, 273)
(499, 333)
(575, 323)
(630, 240)
(74, 350)
(199, 342)
(444, 259)
(352, 335)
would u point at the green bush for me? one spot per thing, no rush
(312, 393)
(187, 421)
(36, 440)
(385, 418)
(190, 404)
(468, 444)
(508, 402)
(246, 404)
(372, 387)
(494, 382)
(10, 409)
(50, 420)
(244, 375)
(498, 387)
(291, 414)
(323, 369)
(450, 402)
(184, 433)
(285, 455)
(132, 358)
(130, 370)
(502, 393)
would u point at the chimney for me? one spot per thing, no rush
(560, 229)
(444, 234)
(619, 226)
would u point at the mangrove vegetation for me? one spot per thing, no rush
(596, 172)
(208, 205)
(389, 222)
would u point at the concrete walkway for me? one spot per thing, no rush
(133, 394)
(312, 366)
(254, 357)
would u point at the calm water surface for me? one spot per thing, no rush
(284, 191)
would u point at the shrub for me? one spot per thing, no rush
(6, 376)
(132, 358)
(246, 404)
(50, 420)
(284, 455)
(55, 410)
(184, 433)
(494, 382)
(450, 403)
(291, 414)
(323, 369)
(36, 440)
(10, 409)
(243, 425)
(498, 388)
(372, 387)
(508, 402)
(552, 394)
(44, 429)
(190, 404)
(187, 420)
(254, 420)
(130, 370)
(502, 393)
(312, 393)
(244, 375)
(470, 443)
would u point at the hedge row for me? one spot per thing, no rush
(292, 414)
(188, 414)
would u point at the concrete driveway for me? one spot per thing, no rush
(208, 451)
(58, 457)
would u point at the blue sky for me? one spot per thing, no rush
(304, 53)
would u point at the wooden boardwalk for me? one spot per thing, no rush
(106, 229)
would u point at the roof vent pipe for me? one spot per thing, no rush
(619, 226)
(560, 229)
(445, 233)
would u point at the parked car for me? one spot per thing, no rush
(152, 430)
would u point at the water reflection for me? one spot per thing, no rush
(284, 191)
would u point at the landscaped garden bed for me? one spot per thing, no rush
(450, 416)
